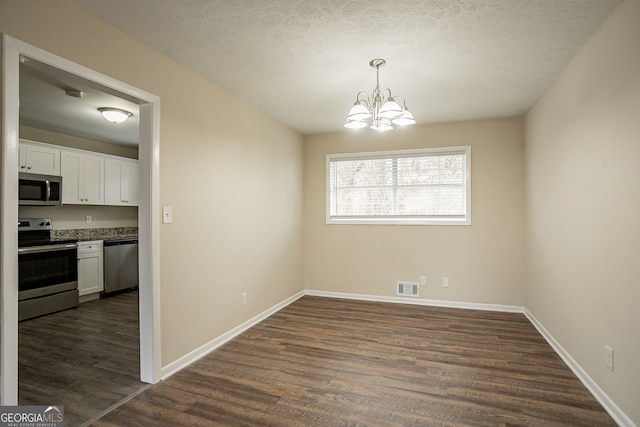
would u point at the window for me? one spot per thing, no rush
(428, 186)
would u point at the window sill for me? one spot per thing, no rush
(398, 221)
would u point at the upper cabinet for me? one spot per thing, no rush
(82, 178)
(88, 178)
(121, 182)
(38, 158)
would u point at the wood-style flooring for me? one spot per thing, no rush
(333, 362)
(85, 359)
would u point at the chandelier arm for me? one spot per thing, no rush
(388, 98)
(366, 99)
(404, 103)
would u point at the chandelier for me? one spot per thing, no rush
(381, 110)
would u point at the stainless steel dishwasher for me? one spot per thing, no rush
(120, 264)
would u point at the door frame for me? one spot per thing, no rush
(148, 211)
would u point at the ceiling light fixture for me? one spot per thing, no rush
(115, 115)
(382, 108)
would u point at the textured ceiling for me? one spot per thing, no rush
(303, 61)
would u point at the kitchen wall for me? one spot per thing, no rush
(232, 175)
(74, 216)
(57, 138)
(583, 205)
(484, 261)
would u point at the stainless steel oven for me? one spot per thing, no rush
(47, 270)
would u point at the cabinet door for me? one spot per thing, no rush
(22, 157)
(82, 178)
(70, 170)
(121, 182)
(90, 268)
(92, 183)
(113, 171)
(39, 159)
(130, 183)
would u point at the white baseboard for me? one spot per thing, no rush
(207, 348)
(609, 405)
(419, 301)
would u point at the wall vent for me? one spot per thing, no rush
(408, 289)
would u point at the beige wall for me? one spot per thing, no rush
(484, 261)
(73, 216)
(235, 186)
(583, 205)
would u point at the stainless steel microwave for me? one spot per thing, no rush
(39, 190)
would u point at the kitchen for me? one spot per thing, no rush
(77, 241)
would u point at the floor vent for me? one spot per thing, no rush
(408, 289)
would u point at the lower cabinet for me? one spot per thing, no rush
(90, 268)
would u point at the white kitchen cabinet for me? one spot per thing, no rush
(90, 268)
(38, 158)
(121, 182)
(82, 178)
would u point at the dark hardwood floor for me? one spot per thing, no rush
(332, 362)
(86, 359)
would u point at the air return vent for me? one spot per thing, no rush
(408, 289)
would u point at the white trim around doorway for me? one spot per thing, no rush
(148, 212)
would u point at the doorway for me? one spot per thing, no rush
(148, 211)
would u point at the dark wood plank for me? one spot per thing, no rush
(333, 362)
(85, 359)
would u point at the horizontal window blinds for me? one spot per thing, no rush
(399, 185)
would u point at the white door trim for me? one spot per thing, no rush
(148, 213)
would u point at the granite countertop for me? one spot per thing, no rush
(86, 234)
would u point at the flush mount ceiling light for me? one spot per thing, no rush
(115, 115)
(381, 110)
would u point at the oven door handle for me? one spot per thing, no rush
(47, 248)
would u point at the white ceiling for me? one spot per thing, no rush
(303, 61)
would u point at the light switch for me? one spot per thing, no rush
(167, 214)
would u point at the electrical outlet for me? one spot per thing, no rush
(244, 298)
(608, 358)
(88, 219)
(445, 282)
(423, 280)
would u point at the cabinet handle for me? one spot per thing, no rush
(22, 167)
(28, 167)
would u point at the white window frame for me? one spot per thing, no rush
(401, 220)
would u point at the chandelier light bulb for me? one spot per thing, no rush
(405, 119)
(355, 124)
(390, 109)
(358, 112)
